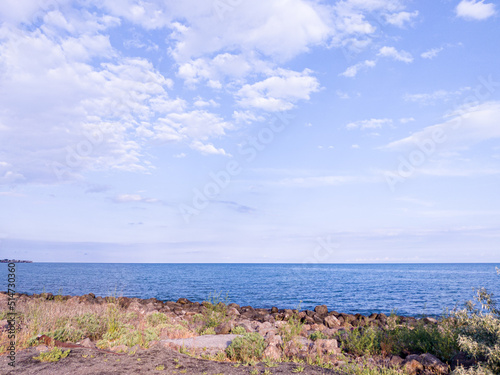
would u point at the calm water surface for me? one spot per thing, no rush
(409, 289)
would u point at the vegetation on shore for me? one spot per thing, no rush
(473, 332)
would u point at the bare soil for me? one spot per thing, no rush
(87, 361)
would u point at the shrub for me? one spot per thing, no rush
(361, 341)
(316, 335)
(479, 330)
(292, 328)
(439, 340)
(52, 355)
(215, 312)
(246, 348)
(156, 319)
(238, 330)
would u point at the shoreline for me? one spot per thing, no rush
(315, 340)
(125, 301)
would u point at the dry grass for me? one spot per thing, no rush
(108, 324)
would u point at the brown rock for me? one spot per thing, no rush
(322, 346)
(272, 352)
(233, 312)
(413, 367)
(321, 310)
(87, 343)
(432, 363)
(395, 361)
(224, 328)
(331, 321)
(274, 310)
(184, 301)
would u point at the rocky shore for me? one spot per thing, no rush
(289, 336)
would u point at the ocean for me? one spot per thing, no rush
(406, 289)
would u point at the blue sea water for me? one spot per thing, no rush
(408, 289)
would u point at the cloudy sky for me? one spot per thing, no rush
(250, 131)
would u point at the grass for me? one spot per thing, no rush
(108, 324)
(292, 328)
(53, 355)
(246, 348)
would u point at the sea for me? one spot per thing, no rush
(404, 289)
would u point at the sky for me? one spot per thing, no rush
(290, 131)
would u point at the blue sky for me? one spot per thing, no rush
(250, 131)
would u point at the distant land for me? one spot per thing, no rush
(15, 261)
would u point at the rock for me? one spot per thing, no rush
(233, 312)
(42, 348)
(413, 367)
(321, 310)
(233, 306)
(274, 340)
(432, 363)
(274, 310)
(87, 343)
(308, 320)
(246, 324)
(395, 361)
(272, 352)
(331, 321)
(224, 328)
(184, 301)
(428, 320)
(322, 346)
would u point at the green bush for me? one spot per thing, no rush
(238, 330)
(479, 330)
(317, 335)
(361, 341)
(53, 355)
(215, 311)
(439, 340)
(156, 319)
(292, 328)
(246, 348)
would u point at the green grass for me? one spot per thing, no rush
(53, 355)
(246, 348)
(317, 335)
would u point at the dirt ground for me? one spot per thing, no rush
(86, 361)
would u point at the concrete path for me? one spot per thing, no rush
(210, 342)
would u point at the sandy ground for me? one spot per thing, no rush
(86, 361)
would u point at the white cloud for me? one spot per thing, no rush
(466, 127)
(134, 198)
(431, 53)
(373, 123)
(395, 54)
(279, 92)
(406, 120)
(401, 18)
(354, 69)
(320, 181)
(433, 97)
(208, 149)
(475, 10)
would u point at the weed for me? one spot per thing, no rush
(316, 335)
(160, 368)
(298, 369)
(53, 355)
(292, 328)
(246, 348)
(238, 330)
